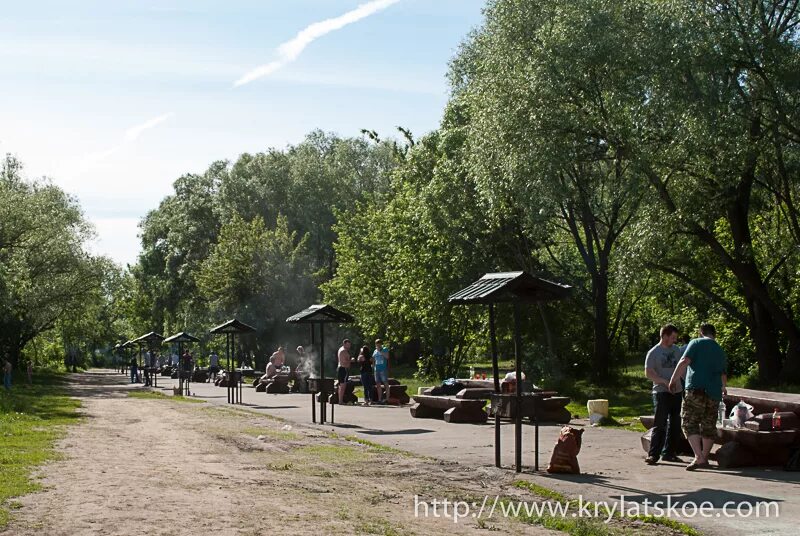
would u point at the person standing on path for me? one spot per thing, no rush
(134, 370)
(345, 360)
(659, 365)
(367, 377)
(7, 368)
(30, 372)
(381, 359)
(705, 364)
(213, 364)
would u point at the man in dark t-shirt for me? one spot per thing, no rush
(706, 365)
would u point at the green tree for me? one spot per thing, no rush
(544, 84)
(45, 273)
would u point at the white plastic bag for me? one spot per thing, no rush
(740, 413)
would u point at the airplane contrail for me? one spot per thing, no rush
(290, 50)
(134, 132)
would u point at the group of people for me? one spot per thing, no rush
(156, 361)
(373, 367)
(688, 385)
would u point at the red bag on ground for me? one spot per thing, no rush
(565, 453)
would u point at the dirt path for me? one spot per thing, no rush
(164, 467)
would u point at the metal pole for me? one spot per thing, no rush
(496, 374)
(497, 432)
(535, 433)
(517, 398)
(238, 384)
(324, 401)
(241, 377)
(313, 395)
(180, 368)
(228, 357)
(493, 340)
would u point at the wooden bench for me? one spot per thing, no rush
(449, 408)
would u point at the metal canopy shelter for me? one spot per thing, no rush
(151, 340)
(320, 314)
(183, 377)
(516, 288)
(230, 329)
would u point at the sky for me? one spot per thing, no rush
(113, 101)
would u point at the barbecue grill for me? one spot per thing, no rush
(322, 387)
(515, 288)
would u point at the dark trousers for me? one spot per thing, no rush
(368, 382)
(667, 425)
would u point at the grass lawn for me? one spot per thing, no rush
(628, 398)
(32, 418)
(751, 382)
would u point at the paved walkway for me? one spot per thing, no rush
(612, 460)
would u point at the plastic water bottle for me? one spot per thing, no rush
(721, 414)
(776, 420)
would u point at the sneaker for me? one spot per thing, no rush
(651, 460)
(671, 458)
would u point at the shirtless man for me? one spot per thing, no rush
(276, 361)
(344, 368)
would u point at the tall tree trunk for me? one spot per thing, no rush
(602, 347)
(765, 338)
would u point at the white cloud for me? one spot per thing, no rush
(290, 50)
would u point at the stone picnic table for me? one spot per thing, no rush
(755, 443)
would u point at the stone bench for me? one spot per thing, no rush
(276, 385)
(449, 408)
(479, 393)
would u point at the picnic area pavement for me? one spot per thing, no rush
(612, 460)
(141, 466)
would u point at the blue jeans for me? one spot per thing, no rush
(133, 374)
(368, 382)
(667, 425)
(7, 380)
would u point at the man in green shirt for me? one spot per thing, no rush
(705, 364)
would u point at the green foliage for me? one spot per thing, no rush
(399, 260)
(260, 275)
(48, 283)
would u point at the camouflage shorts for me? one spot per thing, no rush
(699, 415)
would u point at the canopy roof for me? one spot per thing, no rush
(319, 314)
(181, 337)
(232, 326)
(510, 287)
(151, 337)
